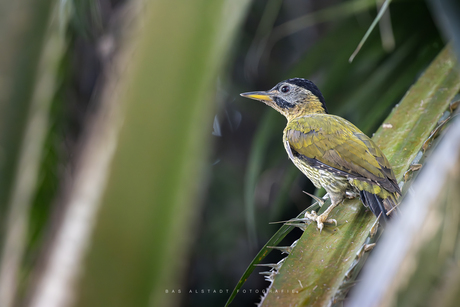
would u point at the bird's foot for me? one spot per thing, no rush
(320, 219)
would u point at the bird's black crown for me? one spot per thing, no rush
(308, 85)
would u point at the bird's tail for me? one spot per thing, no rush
(383, 207)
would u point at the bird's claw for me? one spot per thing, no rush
(320, 219)
(311, 215)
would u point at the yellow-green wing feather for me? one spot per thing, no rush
(333, 141)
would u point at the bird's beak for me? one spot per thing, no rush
(262, 96)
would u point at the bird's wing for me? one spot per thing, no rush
(332, 143)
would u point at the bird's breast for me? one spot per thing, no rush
(322, 178)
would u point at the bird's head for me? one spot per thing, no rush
(292, 98)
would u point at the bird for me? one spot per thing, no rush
(331, 151)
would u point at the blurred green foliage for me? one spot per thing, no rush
(251, 180)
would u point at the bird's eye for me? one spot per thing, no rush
(285, 89)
